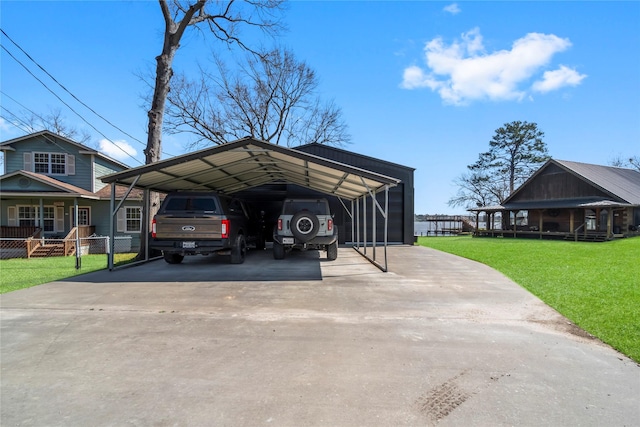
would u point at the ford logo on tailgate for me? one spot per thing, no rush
(188, 228)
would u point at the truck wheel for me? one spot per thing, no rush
(239, 250)
(332, 251)
(304, 226)
(172, 258)
(278, 250)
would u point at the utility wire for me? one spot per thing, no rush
(28, 129)
(71, 94)
(67, 105)
(66, 90)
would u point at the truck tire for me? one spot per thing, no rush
(278, 250)
(332, 251)
(304, 226)
(239, 250)
(172, 258)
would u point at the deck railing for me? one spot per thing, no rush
(19, 232)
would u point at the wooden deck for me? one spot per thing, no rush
(590, 236)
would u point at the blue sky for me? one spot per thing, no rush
(423, 84)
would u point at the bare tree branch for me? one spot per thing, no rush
(272, 97)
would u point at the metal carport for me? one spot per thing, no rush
(249, 163)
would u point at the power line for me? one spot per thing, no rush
(28, 129)
(66, 90)
(67, 105)
(71, 94)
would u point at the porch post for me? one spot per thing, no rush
(477, 223)
(571, 220)
(41, 219)
(540, 222)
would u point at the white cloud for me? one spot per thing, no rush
(553, 80)
(453, 9)
(463, 71)
(4, 126)
(119, 150)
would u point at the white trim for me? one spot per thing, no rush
(58, 219)
(69, 163)
(27, 162)
(80, 208)
(70, 168)
(12, 216)
(122, 220)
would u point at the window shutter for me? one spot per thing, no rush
(71, 164)
(122, 220)
(59, 219)
(28, 162)
(12, 220)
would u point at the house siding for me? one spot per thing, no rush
(101, 168)
(554, 183)
(88, 169)
(40, 144)
(23, 184)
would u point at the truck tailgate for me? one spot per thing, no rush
(188, 228)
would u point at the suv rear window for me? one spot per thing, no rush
(191, 204)
(318, 207)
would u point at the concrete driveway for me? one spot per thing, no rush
(304, 342)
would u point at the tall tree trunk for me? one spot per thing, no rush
(153, 151)
(164, 72)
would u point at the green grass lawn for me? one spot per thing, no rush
(23, 273)
(595, 285)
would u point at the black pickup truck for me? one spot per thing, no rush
(191, 223)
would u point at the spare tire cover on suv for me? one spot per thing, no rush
(304, 226)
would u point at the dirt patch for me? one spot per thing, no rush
(563, 325)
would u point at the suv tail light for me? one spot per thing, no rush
(330, 224)
(153, 228)
(225, 228)
(279, 224)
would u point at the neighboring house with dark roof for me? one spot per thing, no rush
(47, 176)
(570, 200)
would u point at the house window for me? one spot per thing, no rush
(26, 216)
(48, 214)
(133, 219)
(590, 220)
(29, 216)
(50, 163)
(84, 216)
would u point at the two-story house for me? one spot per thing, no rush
(47, 177)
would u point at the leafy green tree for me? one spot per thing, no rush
(515, 152)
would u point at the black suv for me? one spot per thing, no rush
(190, 223)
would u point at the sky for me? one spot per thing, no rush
(423, 84)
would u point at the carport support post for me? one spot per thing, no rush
(386, 224)
(75, 221)
(146, 217)
(364, 223)
(357, 242)
(374, 214)
(112, 205)
(352, 223)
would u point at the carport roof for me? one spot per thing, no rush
(247, 163)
